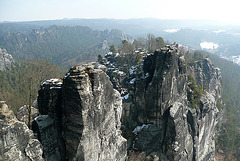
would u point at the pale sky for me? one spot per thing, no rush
(27, 10)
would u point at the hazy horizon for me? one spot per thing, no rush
(38, 10)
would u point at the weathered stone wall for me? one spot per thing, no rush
(16, 139)
(173, 129)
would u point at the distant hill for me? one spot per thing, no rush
(64, 45)
(135, 27)
(187, 32)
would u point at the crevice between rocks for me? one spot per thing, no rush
(192, 131)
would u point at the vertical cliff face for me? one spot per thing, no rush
(160, 99)
(91, 116)
(164, 84)
(205, 116)
(47, 127)
(171, 107)
(81, 117)
(16, 139)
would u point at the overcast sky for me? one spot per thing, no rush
(25, 10)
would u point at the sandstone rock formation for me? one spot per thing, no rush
(80, 117)
(16, 139)
(169, 111)
(91, 116)
(6, 60)
(186, 132)
(158, 110)
(48, 134)
(23, 114)
(47, 126)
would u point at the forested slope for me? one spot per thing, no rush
(19, 85)
(59, 44)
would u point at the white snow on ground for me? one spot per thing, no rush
(139, 128)
(219, 31)
(125, 97)
(208, 45)
(132, 69)
(67, 75)
(171, 30)
(55, 87)
(132, 81)
(147, 75)
(53, 81)
(100, 66)
(235, 59)
(121, 73)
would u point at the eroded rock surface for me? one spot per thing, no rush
(23, 113)
(47, 127)
(91, 116)
(16, 139)
(178, 127)
(82, 113)
(6, 60)
(169, 110)
(186, 132)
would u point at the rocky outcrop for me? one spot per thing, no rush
(186, 131)
(6, 60)
(47, 132)
(91, 116)
(47, 126)
(23, 113)
(16, 139)
(80, 117)
(171, 108)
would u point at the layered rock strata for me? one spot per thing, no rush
(16, 139)
(91, 116)
(47, 127)
(86, 111)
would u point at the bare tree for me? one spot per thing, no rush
(32, 74)
(150, 43)
(139, 43)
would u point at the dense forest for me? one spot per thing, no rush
(19, 86)
(63, 45)
(229, 136)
